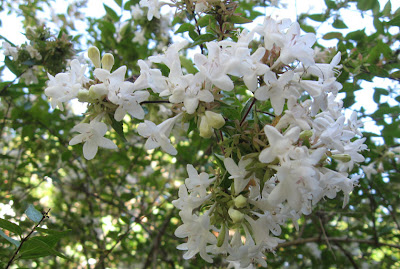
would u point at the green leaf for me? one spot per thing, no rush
(317, 17)
(395, 75)
(54, 233)
(188, 65)
(111, 13)
(395, 21)
(9, 239)
(339, 24)
(333, 35)
(118, 127)
(33, 214)
(387, 9)
(119, 2)
(377, 94)
(239, 20)
(185, 28)
(11, 65)
(366, 4)
(202, 39)
(205, 20)
(9, 226)
(36, 247)
(330, 4)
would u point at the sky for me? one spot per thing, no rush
(12, 29)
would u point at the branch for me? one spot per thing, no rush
(335, 239)
(45, 215)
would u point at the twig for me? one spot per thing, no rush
(326, 237)
(335, 239)
(155, 102)
(44, 216)
(248, 111)
(348, 255)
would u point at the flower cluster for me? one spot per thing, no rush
(281, 172)
(240, 211)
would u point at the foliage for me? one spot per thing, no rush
(116, 210)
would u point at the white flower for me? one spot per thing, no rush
(92, 136)
(112, 82)
(279, 145)
(197, 184)
(34, 53)
(158, 134)
(214, 66)
(238, 173)
(274, 90)
(197, 230)
(10, 50)
(369, 170)
(150, 78)
(153, 8)
(139, 37)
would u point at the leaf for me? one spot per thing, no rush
(33, 214)
(239, 20)
(330, 4)
(36, 248)
(387, 9)
(317, 17)
(188, 65)
(205, 20)
(9, 239)
(377, 94)
(202, 39)
(54, 233)
(9, 226)
(118, 127)
(333, 35)
(395, 21)
(119, 2)
(185, 28)
(339, 24)
(111, 13)
(12, 66)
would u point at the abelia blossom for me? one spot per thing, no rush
(92, 135)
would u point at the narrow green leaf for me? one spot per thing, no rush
(110, 12)
(35, 248)
(339, 24)
(118, 127)
(188, 65)
(119, 2)
(185, 28)
(317, 17)
(9, 239)
(9, 226)
(11, 65)
(333, 35)
(33, 214)
(239, 20)
(205, 20)
(202, 39)
(395, 21)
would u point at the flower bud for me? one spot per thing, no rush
(235, 215)
(306, 134)
(94, 56)
(97, 91)
(215, 120)
(342, 157)
(205, 129)
(107, 61)
(83, 95)
(390, 154)
(221, 236)
(240, 201)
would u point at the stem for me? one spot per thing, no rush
(155, 102)
(45, 215)
(248, 111)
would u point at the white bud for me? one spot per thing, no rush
(107, 61)
(240, 201)
(94, 56)
(205, 129)
(215, 120)
(235, 215)
(97, 91)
